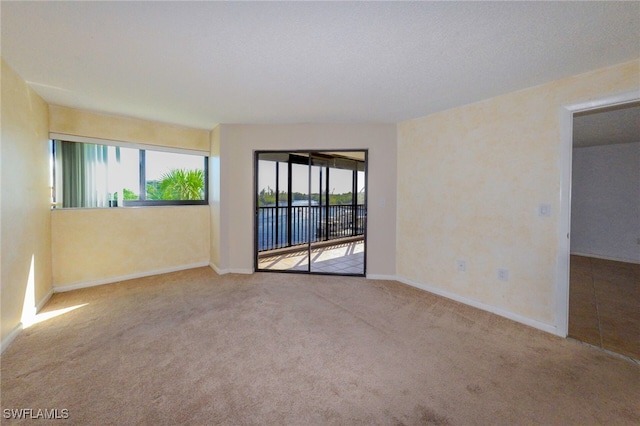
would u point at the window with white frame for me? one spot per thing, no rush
(88, 175)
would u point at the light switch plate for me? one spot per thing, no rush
(503, 274)
(544, 210)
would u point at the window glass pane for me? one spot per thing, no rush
(52, 173)
(171, 176)
(125, 180)
(340, 186)
(267, 183)
(90, 175)
(300, 205)
(361, 188)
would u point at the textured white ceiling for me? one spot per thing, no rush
(607, 127)
(203, 63)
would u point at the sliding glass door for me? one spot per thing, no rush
(311, 212)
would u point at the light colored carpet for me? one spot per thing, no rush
(194, 348)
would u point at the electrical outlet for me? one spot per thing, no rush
(503, 274)
(461, 266)
(544, 210)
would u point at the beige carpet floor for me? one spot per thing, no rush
(194, 348)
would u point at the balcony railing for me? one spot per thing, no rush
(283, 226)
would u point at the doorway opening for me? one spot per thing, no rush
(601, 190)
(311, 211)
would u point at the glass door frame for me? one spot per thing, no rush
(309, 153)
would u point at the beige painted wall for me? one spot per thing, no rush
(25, 225)
(470, 181)
(238, 142)
(76, 122)
(101, 245)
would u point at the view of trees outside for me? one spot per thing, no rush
(176, 184)
(339, 187)
(267, 197)
(300, 219)
(95, 175)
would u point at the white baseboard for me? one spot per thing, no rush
(218, 270)
(597, 256)
(44, 300)
(231, 270)
(19, 327)
(549, 328)
(11, 337)
(241, 271)
(382, 277)
(93, 283)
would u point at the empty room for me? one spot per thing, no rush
(319, 213)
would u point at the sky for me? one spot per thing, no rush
(157, 163)
(340, 180)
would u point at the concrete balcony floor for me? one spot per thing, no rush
(342, 258)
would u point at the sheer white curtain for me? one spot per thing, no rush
(85, 173)
(96, 189)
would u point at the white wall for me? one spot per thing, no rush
(25, 227)
(605, 202)
(237, 146)
(470, 181)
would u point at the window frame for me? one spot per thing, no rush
(143, 202)
(142, 149)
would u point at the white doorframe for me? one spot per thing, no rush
(564, 228)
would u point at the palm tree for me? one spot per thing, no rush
(178, 184)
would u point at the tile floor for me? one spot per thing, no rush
(604, 304)
(344, 258)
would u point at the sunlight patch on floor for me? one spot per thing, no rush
(346, 258)
(45, 316)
